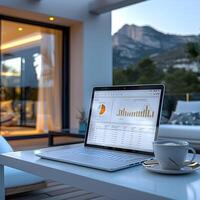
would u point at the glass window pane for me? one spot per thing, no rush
(31, 64)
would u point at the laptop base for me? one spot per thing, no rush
(105, 160)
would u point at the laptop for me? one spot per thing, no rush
(123, 123)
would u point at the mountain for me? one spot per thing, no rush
(133, 43)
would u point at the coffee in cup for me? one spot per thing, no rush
(171, 154)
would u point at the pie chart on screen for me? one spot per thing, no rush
(102, 109)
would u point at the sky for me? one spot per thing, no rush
(169, 16)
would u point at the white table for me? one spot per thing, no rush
(133, 183)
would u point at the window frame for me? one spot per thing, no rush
(65, 62)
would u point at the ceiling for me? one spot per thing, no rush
(11, 32)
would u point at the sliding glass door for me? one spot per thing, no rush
(31, 78)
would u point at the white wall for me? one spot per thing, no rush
(91, 43)
(98, 49)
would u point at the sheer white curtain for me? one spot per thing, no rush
(49, 87)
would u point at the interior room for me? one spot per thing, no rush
(29, 55)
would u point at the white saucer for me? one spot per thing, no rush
(184, 170)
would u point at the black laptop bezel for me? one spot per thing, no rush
(132, 87)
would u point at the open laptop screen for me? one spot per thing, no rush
(124, 119)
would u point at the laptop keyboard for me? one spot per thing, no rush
(106, 154)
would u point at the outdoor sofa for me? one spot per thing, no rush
(191, 133)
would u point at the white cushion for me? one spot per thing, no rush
(187, 106)
(4, 146)
(14, 177)
(179, 131)
(17, 178)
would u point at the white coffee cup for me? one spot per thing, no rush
(171, 154)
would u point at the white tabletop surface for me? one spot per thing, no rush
(125, 184)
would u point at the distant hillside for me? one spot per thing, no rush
(133, 43)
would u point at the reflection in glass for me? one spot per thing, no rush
(30, 76)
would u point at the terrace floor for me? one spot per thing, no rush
(54, 190)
